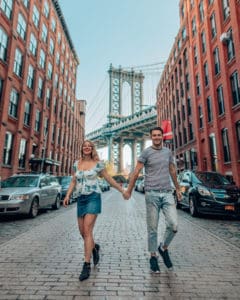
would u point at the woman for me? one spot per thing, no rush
(85, 180)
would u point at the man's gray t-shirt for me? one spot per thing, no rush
(156, 163)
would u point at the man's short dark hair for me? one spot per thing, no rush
(156, 128)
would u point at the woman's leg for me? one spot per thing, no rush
(87, 226)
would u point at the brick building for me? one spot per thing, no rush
(41, 121)
(199, 89)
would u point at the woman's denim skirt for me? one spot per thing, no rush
(89, 204)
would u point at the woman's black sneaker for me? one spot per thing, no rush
(86, 270)
(95, 253)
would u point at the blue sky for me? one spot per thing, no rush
(121, 32)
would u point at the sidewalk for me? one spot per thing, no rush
(45, 262)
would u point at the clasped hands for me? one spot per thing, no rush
(126, 194)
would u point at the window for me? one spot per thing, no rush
(216, 61)
(206, 74)
(51, 46)
(189, 108)
(200, 114)
(21, 26)
(26, 3)
(35, 16)
(213, 26)
(56, 80)
(13, 103)
(62, 66)
(57, 58)
(182, 11)
(46, 9)
(33, 44)
(53, 24)
(209, 109)
(30, 77)
(201, 11)
(42, 58)
(3, 44)
(185, 58)
(225, 143)
(40, 88)
(191, 135)
(60, 88)
(59, 38)
(46, 121)
(203, 39)
(18, 63)
(230, 46)
(6, 6)
(48, 97)
(55, 105)
(238, 136)
(37, 120)
(220, 98)
(198, 84)
(235, 88)
(194, 27)
(49, 71)
(8, 146)
(195, 55)
(226, 10)
(27, 113)
(44, 33)
(22, 153)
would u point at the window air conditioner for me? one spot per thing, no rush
(225, 37)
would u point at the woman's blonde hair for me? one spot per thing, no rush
(94, 154)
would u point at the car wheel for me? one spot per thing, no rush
(33, 212)
(192, 207)
(57, 203)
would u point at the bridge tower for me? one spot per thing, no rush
(117, 77)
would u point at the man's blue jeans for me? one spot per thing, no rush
(155, 202)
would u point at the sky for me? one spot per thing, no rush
(122, 32)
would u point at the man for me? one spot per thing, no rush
(159, 166)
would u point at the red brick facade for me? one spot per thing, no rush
(40, 116)
(199, 89)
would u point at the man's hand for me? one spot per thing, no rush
(66, 201)
(126, 195)
(179, 194)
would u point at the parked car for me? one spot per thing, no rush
(140, 186)
(208, 193)
(104, 185)
(27, 193)
(65, 181)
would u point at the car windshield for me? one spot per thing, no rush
(20, 181)
(64, 180)
(212, 178)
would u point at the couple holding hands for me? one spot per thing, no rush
(159, 167)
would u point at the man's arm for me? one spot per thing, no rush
(173, 173)
(133, 178)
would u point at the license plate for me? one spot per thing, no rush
(229, 207)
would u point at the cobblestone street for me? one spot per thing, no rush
(45, 261)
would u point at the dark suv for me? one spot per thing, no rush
(208, 193)
(27, 193)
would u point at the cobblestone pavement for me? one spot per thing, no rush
(44, 262)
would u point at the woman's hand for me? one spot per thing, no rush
(66, 201)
